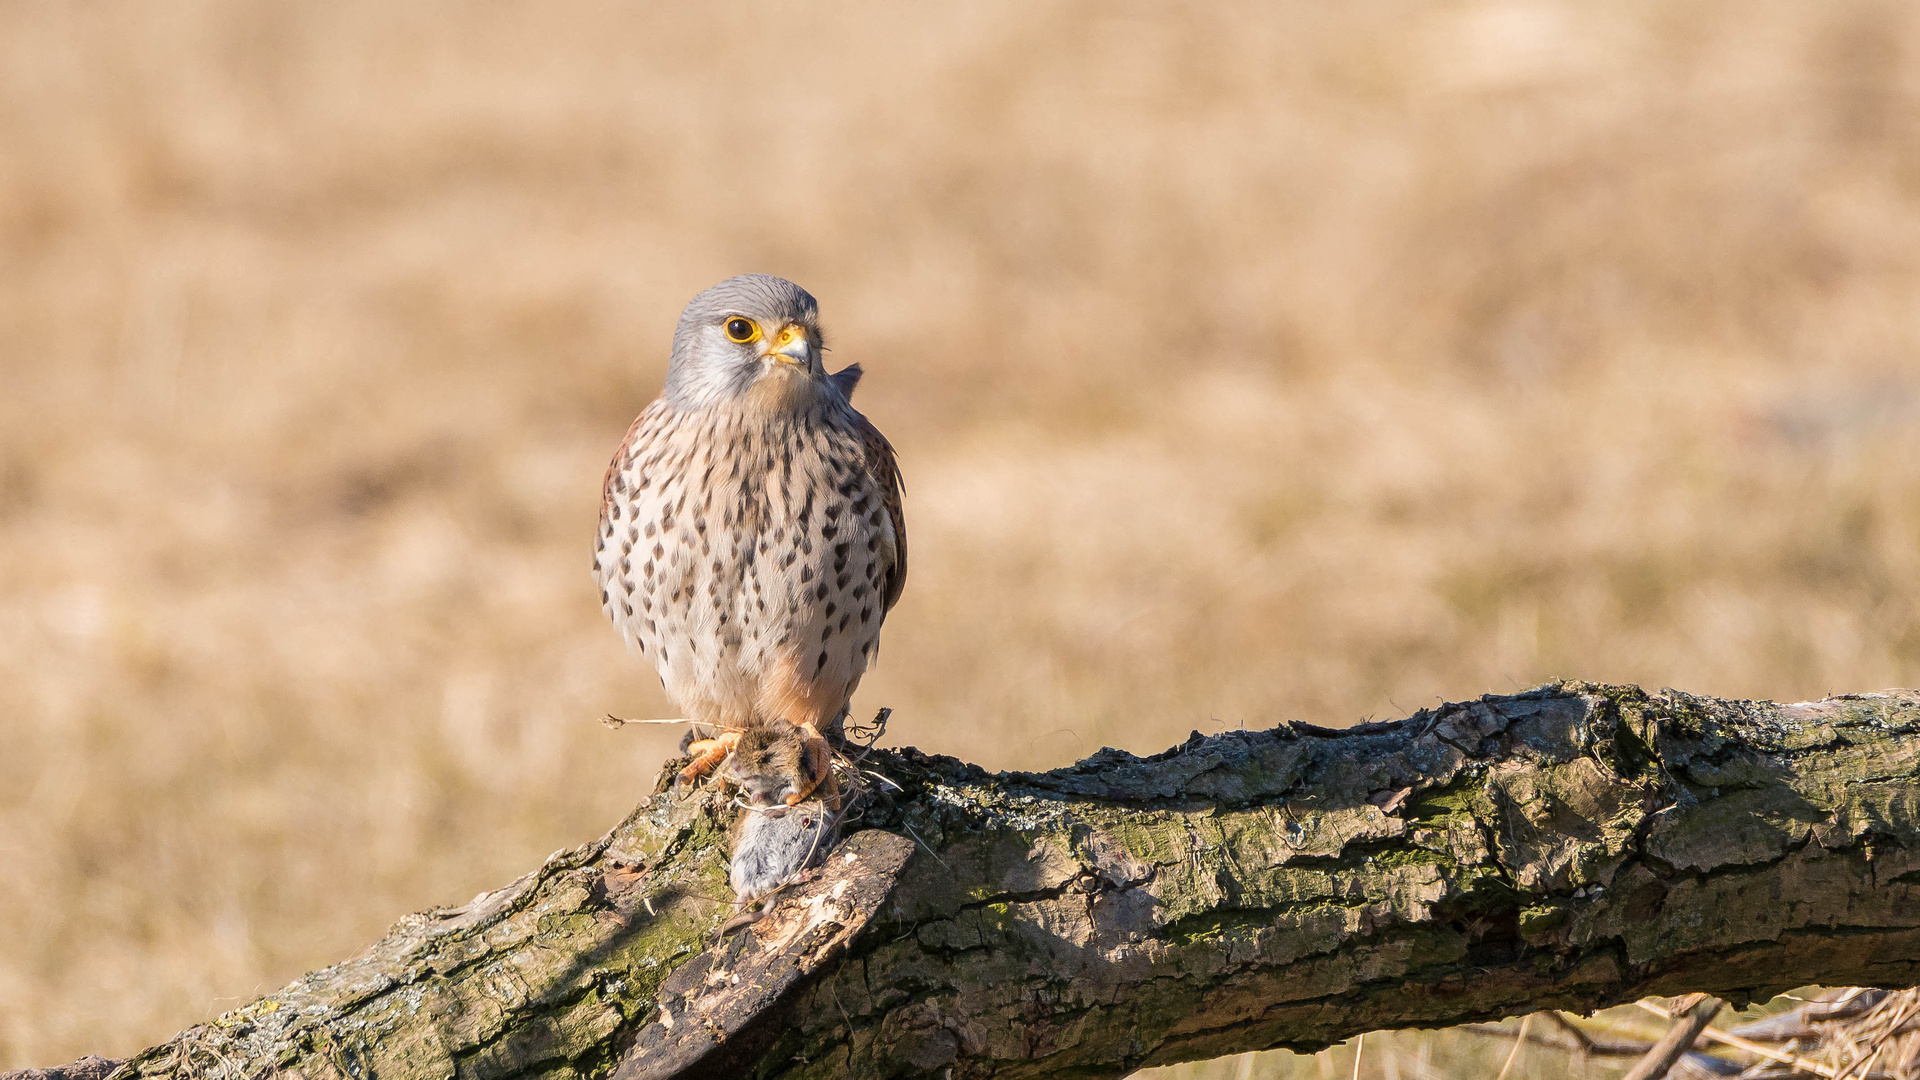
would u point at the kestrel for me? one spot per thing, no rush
(751, 541)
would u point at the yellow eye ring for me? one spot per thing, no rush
(740, 330)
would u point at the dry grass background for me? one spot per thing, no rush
(1252, 363)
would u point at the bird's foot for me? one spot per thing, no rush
(818, 756)
(707, 753)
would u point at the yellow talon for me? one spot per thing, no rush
(708, 753)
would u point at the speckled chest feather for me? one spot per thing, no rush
(751, 553)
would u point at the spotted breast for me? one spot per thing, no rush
(751, 548)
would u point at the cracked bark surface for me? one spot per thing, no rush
(1572, 847)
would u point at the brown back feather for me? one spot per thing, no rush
(885, 469)
(846, 379)
(621, 457)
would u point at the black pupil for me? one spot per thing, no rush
(739, 329)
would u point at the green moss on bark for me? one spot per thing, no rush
(1573, 846)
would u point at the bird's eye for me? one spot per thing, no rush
(741, 330)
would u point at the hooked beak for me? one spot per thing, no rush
(791, 346)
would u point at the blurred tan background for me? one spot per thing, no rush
(1309, 361)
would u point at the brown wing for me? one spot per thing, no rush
(613, 491)
(621, 458)
(885, 470)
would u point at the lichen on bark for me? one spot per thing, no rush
(1570, 847)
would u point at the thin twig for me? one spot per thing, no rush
(1751, 1047)
(1580, 1036)
(1595, 1047)
(1676, 1042)
(617, 722)
(927, 846)
(1865, 1060)
(1519, 1041)
(883, 779)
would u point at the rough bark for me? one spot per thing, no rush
(1573, 847)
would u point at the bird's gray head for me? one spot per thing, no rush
(747, 331)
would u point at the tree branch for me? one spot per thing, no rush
(1676, 1042)
(1573, 847)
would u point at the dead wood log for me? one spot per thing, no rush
(1573, 847)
